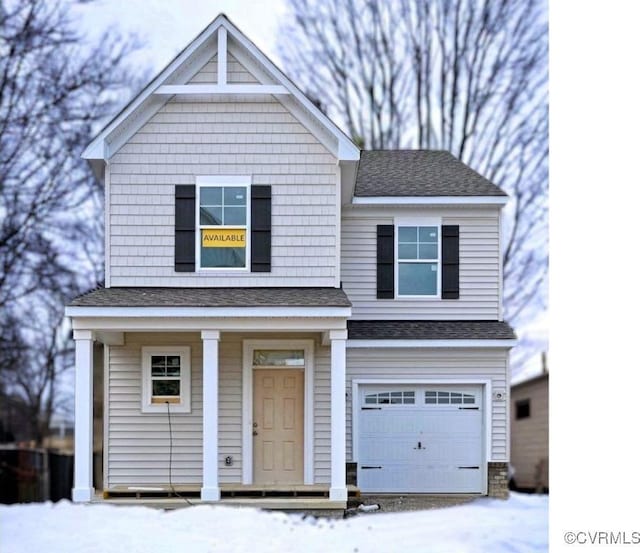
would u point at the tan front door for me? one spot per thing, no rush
(278, 422)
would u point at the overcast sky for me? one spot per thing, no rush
(167, 26)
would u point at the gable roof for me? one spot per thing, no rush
(179, 71)
(418, 173)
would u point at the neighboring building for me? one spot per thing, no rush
(530, 434)
(295, 305)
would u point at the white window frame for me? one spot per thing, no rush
(417, 222)
(184, 405)
(220, 181)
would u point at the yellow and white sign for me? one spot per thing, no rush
(224, 238)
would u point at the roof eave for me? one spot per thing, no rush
(431, 200)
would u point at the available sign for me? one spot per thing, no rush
(223, 238)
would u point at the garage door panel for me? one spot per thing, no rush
(422, 447)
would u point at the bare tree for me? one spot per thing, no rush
(55, 90)
(467, 76)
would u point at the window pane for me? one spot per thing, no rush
(408, 251)
(407, 234)
(222, 257)
(235, 195)
(417, 279)
(166, 387)
(210, 215)
(158, 365)
(211, 195)
(279, 358)
(469, 399)
(428, 234)
(428, 251)
(234, 216)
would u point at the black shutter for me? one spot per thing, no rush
(450, 262)
(385, 254)
(261, 229)
(185, 228)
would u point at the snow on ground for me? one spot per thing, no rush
(485, 525)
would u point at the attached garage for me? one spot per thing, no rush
(422, 438)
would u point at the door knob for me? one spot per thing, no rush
(255, 425)
(255, 432)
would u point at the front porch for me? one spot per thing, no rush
(208, 440)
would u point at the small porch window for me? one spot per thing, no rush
(166, 378)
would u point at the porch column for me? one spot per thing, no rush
(338, 491)
(210, 488)
(83, 435)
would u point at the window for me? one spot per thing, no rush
(418, 260)
(166, 378)
(390, 398)
(223, 215)
(278, 358)
(523, 409)
(448, 398)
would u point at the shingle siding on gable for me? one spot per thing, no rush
(243, 137)
(479, 265)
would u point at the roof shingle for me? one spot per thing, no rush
(419, 173)
(429, 330)
(212, 297)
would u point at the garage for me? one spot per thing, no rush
(420, 439)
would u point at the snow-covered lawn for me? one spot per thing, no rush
(519, 524)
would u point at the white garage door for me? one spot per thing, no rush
(420, 439)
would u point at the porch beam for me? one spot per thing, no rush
(338, 490)
(83, 439)
(210, 487)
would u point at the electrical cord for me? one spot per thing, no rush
(170, 455)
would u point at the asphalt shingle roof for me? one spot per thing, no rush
(213, 297)
(429, 330)
(419, 173)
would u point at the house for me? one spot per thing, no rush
(530, 433)
(281, 310)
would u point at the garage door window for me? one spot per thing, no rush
(448, 398)
(391, 398)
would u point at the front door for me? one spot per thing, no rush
(278, 422)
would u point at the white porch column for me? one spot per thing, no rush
(210, 488)
(83, 436)
(338, 490)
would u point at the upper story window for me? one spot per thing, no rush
(223, 229)
(418, 260)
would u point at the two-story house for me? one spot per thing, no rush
(280, 306)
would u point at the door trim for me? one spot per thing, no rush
(487, 405)
(248, 346)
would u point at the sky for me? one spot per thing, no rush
(167, 26)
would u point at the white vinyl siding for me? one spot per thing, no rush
(479, 264)
(443, 364)
(226, 136)
(138, 443)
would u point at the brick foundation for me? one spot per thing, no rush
(498, 474)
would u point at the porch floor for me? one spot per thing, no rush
(297, 497)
